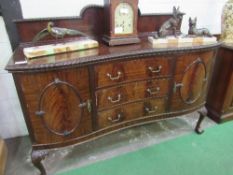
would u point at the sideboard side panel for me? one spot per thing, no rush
(220, 95)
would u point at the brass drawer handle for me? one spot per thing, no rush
(115, 101)
(117, 119)
(116, 77)
(155, 70)
(150, 111)
(153, 91)
(177, 85)
(86, 104)
(40, 113)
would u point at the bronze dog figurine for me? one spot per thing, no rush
(170, 26)
(198, 32)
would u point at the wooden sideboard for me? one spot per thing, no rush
(220, 97)
(72, 101)
(78, 96)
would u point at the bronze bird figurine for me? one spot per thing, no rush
(56, 32)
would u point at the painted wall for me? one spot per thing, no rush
(208, 12)
(12, 123)
(11, 119)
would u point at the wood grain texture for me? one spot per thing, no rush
(136, 77)
(108, 74)
(220, 96)
(101, 55)
(129, 112)
(75, 97)
(88, 22)
(59, 103)
(56, 116)
(61, 106)
(108, 97)
(191, 80)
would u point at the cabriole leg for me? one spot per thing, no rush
(37, 156)
(203, 114)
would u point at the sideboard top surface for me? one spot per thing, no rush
(97, 55)
(227, 46)
(89, 22)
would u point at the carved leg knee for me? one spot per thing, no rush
(37, 157)
(203, 114)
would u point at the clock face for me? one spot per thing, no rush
(124, 18)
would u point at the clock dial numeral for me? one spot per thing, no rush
(124, 18)
(118, 29)
(124, 11)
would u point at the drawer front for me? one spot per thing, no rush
(130, 112)
(119, 72)
(109, 97)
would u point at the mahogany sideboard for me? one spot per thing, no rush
(78, 96)
(220, 96)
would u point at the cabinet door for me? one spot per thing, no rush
(191, 80)
(114, 73)
(56, 104)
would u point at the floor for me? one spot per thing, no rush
(106, 147)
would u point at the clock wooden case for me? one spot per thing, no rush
(121, 17)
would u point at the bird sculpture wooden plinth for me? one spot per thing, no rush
(56, 32)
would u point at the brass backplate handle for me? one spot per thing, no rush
(86, 104)
(117, 119)
(40, 113)
(153, 91)
(177, 85)
(118, 99)
(116, 77)
(155, 70)
(89, 106)
(150, 111)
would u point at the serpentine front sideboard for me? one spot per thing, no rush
(78, 96)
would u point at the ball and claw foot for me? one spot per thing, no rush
(37, 156)
(203, 114)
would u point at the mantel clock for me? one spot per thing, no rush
(121, 18)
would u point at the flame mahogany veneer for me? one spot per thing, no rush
(78, 96)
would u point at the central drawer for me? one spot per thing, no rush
(135, 91)
(108, 74)
(130, 112)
